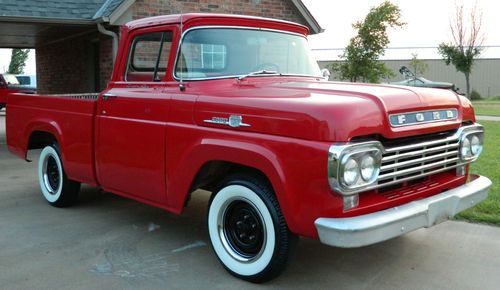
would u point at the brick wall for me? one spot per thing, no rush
(61, 67)
(280, 9)
(106, 60)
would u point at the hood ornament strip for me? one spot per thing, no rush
(421, 117)
(233, 121)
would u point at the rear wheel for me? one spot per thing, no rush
(248, 232)
(57, 189)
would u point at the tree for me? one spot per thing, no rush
(417, 66)
(360, 58)
(18, 61)
(466, 44)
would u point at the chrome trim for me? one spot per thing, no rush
(415, 161)
(107, 96)
(227, 27)
(420, 152)
(338, 154)
(452, 160)
(234, 121)
(386, 224)
(423, 122)
(416, 169)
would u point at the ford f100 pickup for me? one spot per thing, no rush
(237, 106)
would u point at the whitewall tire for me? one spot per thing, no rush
(56, 188)
(247, 230)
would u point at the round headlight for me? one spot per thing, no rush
(351, 172)
(475, 145)
(465, 150)
(368, 169)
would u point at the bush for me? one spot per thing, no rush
(474, 95)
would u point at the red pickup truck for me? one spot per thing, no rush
(237, 106)
(9, 84)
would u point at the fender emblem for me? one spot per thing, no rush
(233, 121)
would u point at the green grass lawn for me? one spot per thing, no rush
(489, 107)
(488, 165)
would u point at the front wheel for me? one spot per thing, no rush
(57, 189)
(248, 232)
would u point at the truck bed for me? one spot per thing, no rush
(69, 115)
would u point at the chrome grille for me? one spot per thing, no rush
(407, 162)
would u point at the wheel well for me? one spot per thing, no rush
(40, 139)
(212, 173)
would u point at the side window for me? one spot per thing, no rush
(148, 57)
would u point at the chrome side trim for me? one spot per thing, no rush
(233, 121)
(386, 224)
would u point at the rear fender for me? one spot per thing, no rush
(43, 125)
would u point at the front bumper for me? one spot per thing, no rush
(383, 225)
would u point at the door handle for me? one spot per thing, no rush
(107, 96)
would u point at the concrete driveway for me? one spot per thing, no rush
(108, 242)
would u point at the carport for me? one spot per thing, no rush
(73, 40)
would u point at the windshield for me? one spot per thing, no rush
(231, 52)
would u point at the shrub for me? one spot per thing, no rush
(474, 95)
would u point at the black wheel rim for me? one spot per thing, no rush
(53, 173)
(244, 229)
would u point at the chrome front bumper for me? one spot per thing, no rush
(383, 225)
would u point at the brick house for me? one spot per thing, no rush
(75, 39)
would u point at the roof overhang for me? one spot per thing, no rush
(311, 22)
(30, 32)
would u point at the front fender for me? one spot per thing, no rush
(243, 153)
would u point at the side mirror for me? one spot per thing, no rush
(326, 73)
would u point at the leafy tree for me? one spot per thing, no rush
(417, 65)
(466, 45)
(18, 61)
(360, 58)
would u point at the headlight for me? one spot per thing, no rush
(368, 168)
(476, 145)
(354, 167)
(351, 171)
(465, 148)
(471, 144)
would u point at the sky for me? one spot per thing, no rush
(30, 68)
(427, 25)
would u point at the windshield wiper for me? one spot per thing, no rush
(259, 72)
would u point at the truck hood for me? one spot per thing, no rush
(325, 111)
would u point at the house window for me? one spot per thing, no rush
(213, 56)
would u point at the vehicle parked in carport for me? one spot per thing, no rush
(27, 80)
(237, 105)
(8, 85)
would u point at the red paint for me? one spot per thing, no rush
(7, 89)
(150, 142)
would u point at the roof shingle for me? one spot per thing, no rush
(62, 9)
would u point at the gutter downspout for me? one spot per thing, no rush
(113, 35)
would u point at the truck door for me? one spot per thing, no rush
(131, 122)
